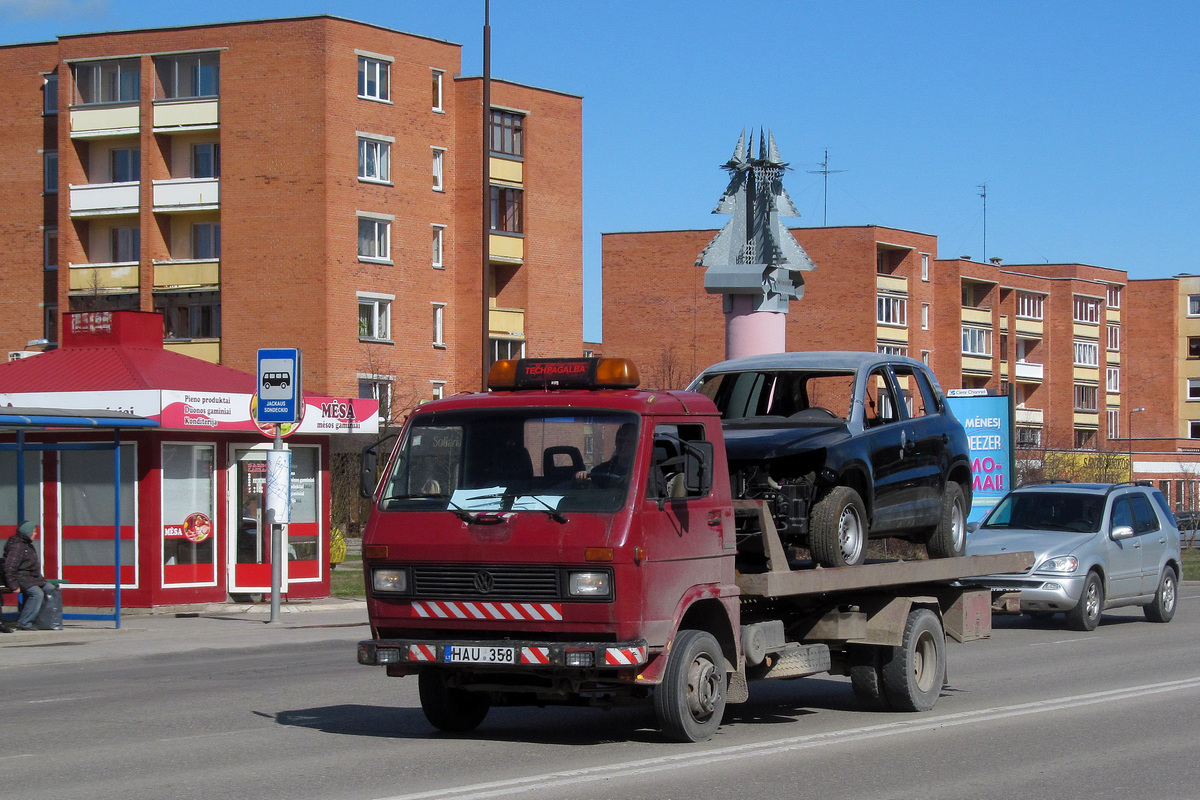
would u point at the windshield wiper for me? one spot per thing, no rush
(550, 510)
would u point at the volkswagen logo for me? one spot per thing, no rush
(484, 582)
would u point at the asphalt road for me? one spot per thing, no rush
(1035, 712)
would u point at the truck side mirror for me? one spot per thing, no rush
(369, 465)
(698, 461)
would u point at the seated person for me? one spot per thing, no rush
(612, 472)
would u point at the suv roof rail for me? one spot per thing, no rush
(1042, 481)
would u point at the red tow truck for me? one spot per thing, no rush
(567, 538)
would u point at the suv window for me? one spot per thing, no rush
(1144, 518)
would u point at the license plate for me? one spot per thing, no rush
(464, 654)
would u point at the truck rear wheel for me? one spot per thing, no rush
(866, 678)
(690, 701)
(914, 672)
(949, 537)
(448, 708)
(838, 534)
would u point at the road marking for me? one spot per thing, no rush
(705, 757)
(16, 755)
(1065, 641)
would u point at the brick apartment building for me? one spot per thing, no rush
(1088, 354)
(310, 182)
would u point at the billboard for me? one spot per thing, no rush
(989, 423)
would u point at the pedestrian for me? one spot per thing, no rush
(23, 571)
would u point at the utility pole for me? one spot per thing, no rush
(983, 194)
(486, 136)
(826, 172)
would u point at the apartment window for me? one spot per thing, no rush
(189, 75)
(190, 315)
(976, 341)
(126, 244)
(508, 133)
(1114, 337)
(892, 349)
(1030, 305)
(1193, 347)
(108, 82)
(375, 316)
(1114, 296)
(437, 89)
(507, 208)
(1086, 309)
(1113, 420)
(438, 246)
(206, 160)
(1193, 388)
(374, 159)
(891, 310)
(50, 248)
(378, 387)
(374, 238)
(439, 165)
(1029, 438)
(439, 324)
(925, 266)
(373, 78)
(206, 240)
(50, 94)
(1087, 354)
(924, 316)
(125, 164)
(1085, 439)
(438, 389)
(507, 348)
(50, 322)
(925, 355)
(1086, 397)
(1112, 379)
(1194, 429)
(50, 171)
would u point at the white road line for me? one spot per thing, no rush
(704, 757)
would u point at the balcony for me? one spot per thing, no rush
(504, 169)
(91, 122)
(187, 273)
(892, 283)
(506, 249)
(100, 199)
(104, 277)
(204, 349)
(1027, 371)
(185, 116)
(506, 321)
(187, 194)
(1029, 416)
(977, 316)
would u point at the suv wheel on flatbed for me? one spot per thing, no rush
(448, 708)
(690, 701)
(949, 537)
(837, 536)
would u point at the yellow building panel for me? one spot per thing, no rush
(976, 364)
(892, 283)
(191, 273)
(509, 249)
(1030, 327)
(507, 321)
(1113, 314)
(1087, 419)
(503, 169)
(206, 351)
(1087, 374)
(1114, 357)
(189, 114)
(100, 278)
(1086, 330)
(977, 316)
(92, 120)
(885, 333)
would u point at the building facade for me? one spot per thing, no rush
(1101, 369)
(310, 182)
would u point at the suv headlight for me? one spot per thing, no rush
(596, 585)
(1059, 564)
(389, 581)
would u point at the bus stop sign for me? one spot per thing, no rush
(279, 393)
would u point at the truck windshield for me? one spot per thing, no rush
(513, 460)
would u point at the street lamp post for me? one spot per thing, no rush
(1132, 411)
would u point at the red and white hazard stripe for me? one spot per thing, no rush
(535, 655)
(422, 652)
(624, 656)
(458, 609)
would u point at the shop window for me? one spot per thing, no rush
(86, 518)
(188, 514)
(8, 488)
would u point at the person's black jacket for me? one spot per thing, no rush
(22, 568)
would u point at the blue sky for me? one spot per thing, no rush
(1081, 117)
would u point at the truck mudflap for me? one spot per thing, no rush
(504, 653)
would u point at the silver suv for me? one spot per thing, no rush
(1096, 546)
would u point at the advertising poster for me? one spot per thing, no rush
(989, 423)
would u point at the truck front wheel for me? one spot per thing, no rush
(838, 535)
(690, 701)
(448, 708)
(914, 672)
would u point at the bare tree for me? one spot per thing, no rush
(669, 372)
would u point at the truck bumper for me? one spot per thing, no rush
(502, 654)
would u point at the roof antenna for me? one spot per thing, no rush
(826, 171)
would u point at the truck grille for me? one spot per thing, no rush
(520, 583)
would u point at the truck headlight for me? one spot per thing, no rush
(389, 581)
(594, 585)
(1059, 564)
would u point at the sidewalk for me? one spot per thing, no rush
(182, 629)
